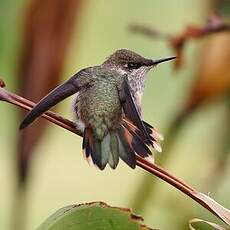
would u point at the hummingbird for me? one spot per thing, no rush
(107, 108)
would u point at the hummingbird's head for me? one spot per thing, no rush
(128, 62)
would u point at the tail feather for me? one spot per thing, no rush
(137, 144)
(85, 145)
(96, 154)
(153, 132)
(87, 150)
(105, 151)
(130, 126)
(154, 135)
(92, 149)
(85, 140)
(125, 151)
(125, 142)
(114, 147)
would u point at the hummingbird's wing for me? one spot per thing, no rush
(131, 112)
(77, 82)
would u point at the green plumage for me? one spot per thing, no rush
(99, 104)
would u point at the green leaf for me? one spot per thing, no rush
(95, 216)
(213, 225)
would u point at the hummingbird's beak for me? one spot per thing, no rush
(58, 94)
(158, 61)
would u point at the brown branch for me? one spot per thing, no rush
(2, 83)
(148, 31)
(214, 25)
(206, 202)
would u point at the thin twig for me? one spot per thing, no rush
(151, 168)
(148, 31)
(2, 83)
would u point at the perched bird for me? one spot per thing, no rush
(108, 109)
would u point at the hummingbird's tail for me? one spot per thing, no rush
(124, 142)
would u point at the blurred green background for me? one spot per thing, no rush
(59, 175)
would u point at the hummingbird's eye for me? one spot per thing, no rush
(132, 65)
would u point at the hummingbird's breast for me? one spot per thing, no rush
(99, 106)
